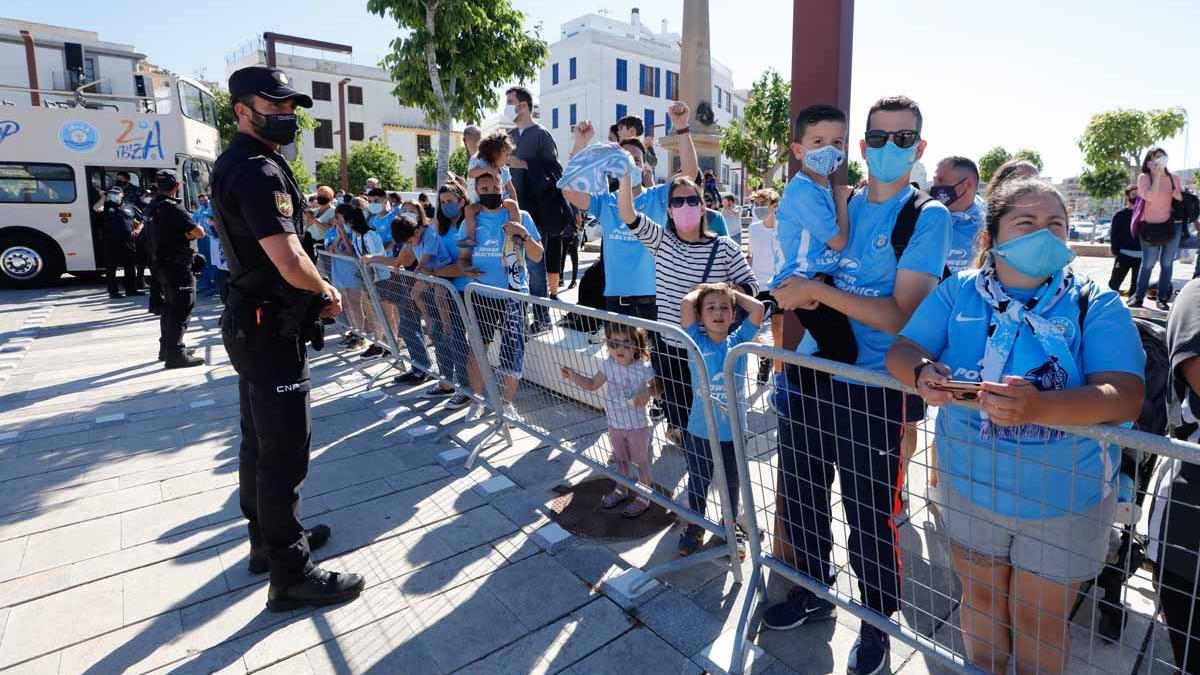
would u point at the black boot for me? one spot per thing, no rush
(318, 588)
(317, 536)
(182, 359)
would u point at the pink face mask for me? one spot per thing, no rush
(687, 218)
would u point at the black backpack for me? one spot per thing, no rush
(906, 223)
(1185, 210)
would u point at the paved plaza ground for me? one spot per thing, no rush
(122, 548)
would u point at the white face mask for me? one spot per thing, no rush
(510, 112)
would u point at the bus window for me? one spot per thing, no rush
(33, 183)
(197, 104)
(196, 176)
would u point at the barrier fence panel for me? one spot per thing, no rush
(361, 311)
(548, 377)
(430, 322)
(980, 545)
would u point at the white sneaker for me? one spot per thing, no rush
(510, 412)
(474, 414)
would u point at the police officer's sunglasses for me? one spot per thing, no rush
(904, 138)
(690, 200)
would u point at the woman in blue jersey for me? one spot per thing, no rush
(352, 236)
(1027, 506)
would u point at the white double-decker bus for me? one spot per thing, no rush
(58, 157)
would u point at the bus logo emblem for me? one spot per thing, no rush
(8, 128)
(79, 136)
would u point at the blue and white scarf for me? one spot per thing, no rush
(1008, 318)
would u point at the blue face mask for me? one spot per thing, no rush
(375, 208)
(891, 162)
(451, 209)
(1037, 254)
(824, 160)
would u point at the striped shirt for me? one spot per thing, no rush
(679, 266)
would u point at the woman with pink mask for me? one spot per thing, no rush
(686, 253)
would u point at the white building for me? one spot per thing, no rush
(372, 111)
(603, 69)
(65, 59)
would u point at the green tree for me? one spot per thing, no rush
(990, 161)
(458, 162)
(227, 127)
(372, 159)
(761, 139)
(854, 173)
(1104, 183)
(452, 56)
(1032, 156)
(1120, 137)
(427, 170)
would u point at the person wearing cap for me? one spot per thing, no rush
(122, 223)
(170, 234)
(259, 215)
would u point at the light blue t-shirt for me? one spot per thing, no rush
(806, 220)
(628, 264)
(1026, 471)
(964, 228)
(714, 361)
(450, 239)
(382, 224)
(488, 255)
(431, 244)
(342, 273)
(868, 264)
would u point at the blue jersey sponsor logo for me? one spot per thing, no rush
(79, 136)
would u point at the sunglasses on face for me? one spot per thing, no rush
(690, 200)
(904, 138)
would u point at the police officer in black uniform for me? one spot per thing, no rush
(170, 234)
(122, 225)
(276, 301)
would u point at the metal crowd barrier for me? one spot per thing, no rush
(896, 494)
(528, 368)
(361, 315)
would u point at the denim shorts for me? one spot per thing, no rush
(507, 316)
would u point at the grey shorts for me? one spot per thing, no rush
(1067, 548)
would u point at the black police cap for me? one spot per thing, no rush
(166, 180)
(270, 83)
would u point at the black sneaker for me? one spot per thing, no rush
(656, 411)
(317, 536)
(134, 293)
(800, 607)
(1163, 305)
(437, 391)
(411, 377)
(372, 352)
(765, 366)
(184, 360)
(458, 401)
(162, 353)
(869, 655)
(539, 327)
(318, 588)
(1134, 303)
(116, 294)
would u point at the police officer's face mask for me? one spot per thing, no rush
(278, 128)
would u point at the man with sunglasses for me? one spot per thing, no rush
(955, 184)
(628, 264)
(1126, 248)
(856, 427)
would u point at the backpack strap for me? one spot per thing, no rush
(712, 256)
(906, 224)
(1085, 300)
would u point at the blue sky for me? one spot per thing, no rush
(1019, 73)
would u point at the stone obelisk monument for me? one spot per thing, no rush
(695, 89)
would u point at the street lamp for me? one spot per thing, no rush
(342, 131)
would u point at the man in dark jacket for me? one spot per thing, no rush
(171, 232)
(1126, 249)
(122, 225)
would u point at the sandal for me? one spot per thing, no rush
(636, 508)
(614, 498)
(691, 540)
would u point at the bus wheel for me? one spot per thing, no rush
(28, 260)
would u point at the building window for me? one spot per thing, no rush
(666, 124)
(354, 95)
(622, 75)
(554, 73)
(672, 85)
(716, 96)
(323, 134)
(424, 145)
(572, 69)
(356, 131)
(554, 118)
(320, 91)
(657, 82)
(646, 80)
(648, 121)
(572, 114)
(622, 110)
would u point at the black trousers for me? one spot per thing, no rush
(670, 364)
(827, 426)
(126, 263)
(156, 296)
(276, 421)
(1181, 612)
(178, 288)
(1123, 265)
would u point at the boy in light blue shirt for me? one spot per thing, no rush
(813, 226)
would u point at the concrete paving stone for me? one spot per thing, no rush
(57, 430)
(179, 515)
(444, 575)
(473, 528)
(467, 610)
(70, 544)
(296, 665)
(538, 590)
(388, 646)
(223, 660)
(3, 621)
(227, 617)
(150, 553)
(638, 651)
(222, 476)
(682, 623)
(553, 648)
(134, 648)
(179, 582)
(31, 494)
(220, 463)
(78, 511)
(523, 507)
(516, 546)
(355, 494)
(361, 468)
(50, 623)
(419, 475)
(11, 552)
(23, 589)
(39, 666)
(46, 440)
(590, 561)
